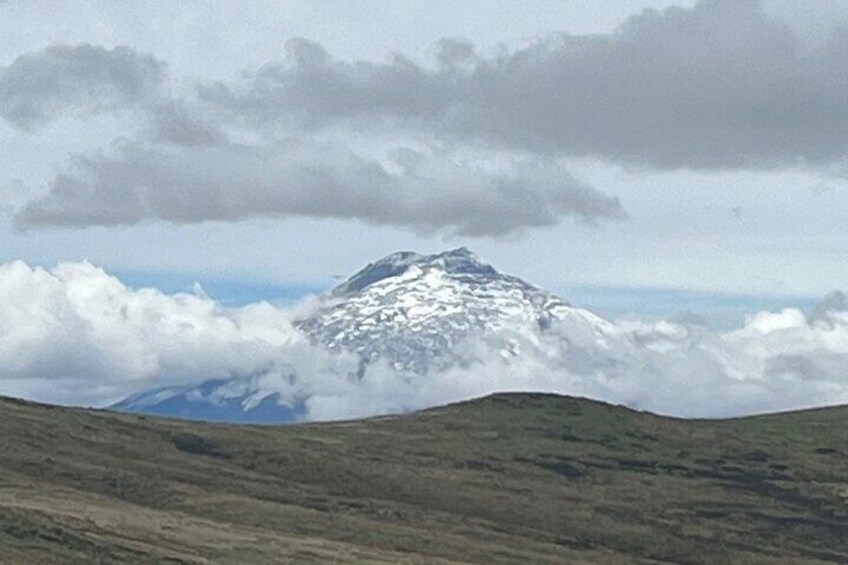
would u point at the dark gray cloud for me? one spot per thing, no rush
(720, 85)
(717, 86)
(182, 167)
(223, 181)
(179, 122)
(40, 86)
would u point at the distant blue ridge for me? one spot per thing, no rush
(228, 289)
(718, 310)
(180, 405)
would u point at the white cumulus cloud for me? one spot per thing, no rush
(76, 334)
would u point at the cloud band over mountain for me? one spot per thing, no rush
(78, 335)
(721, 85)
(186, 184)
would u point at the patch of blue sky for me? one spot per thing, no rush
(228, 289)
(716, 310)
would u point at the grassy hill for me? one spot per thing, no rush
(507, 479)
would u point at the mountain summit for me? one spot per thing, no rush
(460, 261)
(411, 314)
(414, 311)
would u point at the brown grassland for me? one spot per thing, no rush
(512, 478)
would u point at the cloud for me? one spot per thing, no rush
(180, 123)
(720, 85)
(61, 80)
(779, 361)
(181, 165)
(77, 335)
(203, 180)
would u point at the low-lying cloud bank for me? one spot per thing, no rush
(78, 335)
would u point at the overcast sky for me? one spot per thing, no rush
(627, 143)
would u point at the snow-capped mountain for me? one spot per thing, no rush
(414, 311)
(408, 313)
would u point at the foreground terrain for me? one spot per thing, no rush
(509, 478)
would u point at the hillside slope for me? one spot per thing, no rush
(506, 479)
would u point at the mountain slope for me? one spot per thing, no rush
(410, 314)
(506, 479)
